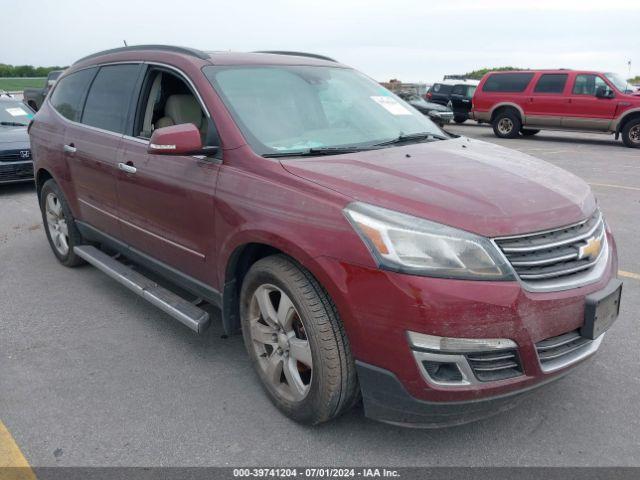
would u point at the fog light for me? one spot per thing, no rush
(443, 372)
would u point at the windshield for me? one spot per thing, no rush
(619, 82)
(295, 108)
(13, 113)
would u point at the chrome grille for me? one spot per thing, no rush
(495, 365)
(555, 253)
(15, 155)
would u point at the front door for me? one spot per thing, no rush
(166, 202)
(585, 111)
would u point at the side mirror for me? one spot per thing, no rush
(604, 92)
(176, 140)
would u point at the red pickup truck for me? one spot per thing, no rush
(523, 102)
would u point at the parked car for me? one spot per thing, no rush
(35, 96)
(460, 100)
(16, 164)
(440, 92)
(358, 248)
(440, 114)
(528, 101)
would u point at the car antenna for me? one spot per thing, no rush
(125, 43)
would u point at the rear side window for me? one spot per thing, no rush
(459, 90)
(69, 93)
(551, 83)
(507, 82)
(109, 97)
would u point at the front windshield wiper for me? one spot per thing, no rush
(402, 138)
(312, 152)
(13, 124)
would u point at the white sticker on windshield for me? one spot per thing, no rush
(17, 112)
(391, 105)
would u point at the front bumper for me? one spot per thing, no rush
(441, 117)
(379, 308)
(12, 172)
(386, 400)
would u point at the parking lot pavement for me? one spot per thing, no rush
(90, 374)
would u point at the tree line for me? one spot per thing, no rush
(17, 71)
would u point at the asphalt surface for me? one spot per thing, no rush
(92, 375)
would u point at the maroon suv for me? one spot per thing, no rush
(360, 250)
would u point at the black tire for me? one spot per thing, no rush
(631, 133)
(459, 119)
(506, 124)
(333, 387)
(68, 259)
(529, 132)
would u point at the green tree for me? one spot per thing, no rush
(635, 80)
(478, 74)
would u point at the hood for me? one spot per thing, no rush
(428, 105)
(14, 135)
(467, 184)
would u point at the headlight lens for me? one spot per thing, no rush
(408, 244)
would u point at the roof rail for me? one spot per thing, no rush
(298, 54)
(165, 48)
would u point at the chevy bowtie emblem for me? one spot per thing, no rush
(591, 249)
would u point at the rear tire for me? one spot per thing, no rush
(506, 124)
(296, 341)
(459, 119)
(631, 133)
(528, 132)
(59, 224)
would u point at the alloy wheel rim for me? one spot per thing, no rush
(279, 339)
(634, 134)
(57, 224)
(505, 126)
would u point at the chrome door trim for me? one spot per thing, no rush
(143, 230)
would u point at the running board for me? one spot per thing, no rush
(182, 310)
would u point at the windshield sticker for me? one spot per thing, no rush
(17, 112)
(391, 105)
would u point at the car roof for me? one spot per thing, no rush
(550, 70)
(458, 82)
(143, 52)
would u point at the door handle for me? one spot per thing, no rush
(70, 148)
(127, 168)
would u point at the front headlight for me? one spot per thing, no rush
(408, 244)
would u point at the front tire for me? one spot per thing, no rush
(59, 224)
(631, 133)
(507, 124)
(296, 341)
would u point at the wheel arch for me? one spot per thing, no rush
(239, 259)
(504, 106)
(626, 118)
(42, 175)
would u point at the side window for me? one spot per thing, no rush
(69, 93)
(167, 100)
(109, 97)
(551, 83)
(507, 82)
(588, 84)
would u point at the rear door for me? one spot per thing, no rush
(167, 204)
(92, 144)
(547, 103)
(585, 111)
(460, 101)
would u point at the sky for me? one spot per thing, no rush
(404, 39)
